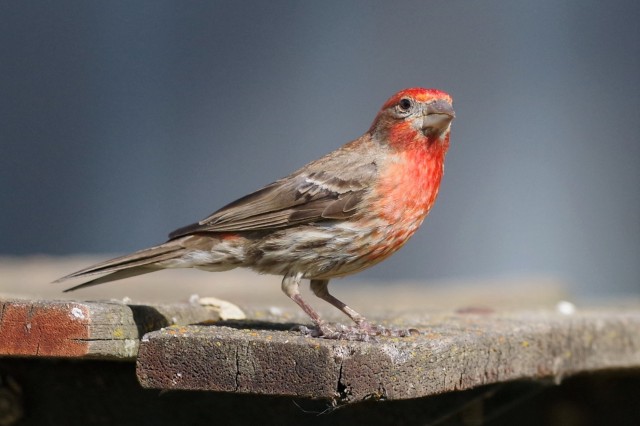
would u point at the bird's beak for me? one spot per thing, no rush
(438, 115)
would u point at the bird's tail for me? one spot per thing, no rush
(138, 263)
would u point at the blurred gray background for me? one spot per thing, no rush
(122, 121)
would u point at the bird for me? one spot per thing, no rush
(335, 216)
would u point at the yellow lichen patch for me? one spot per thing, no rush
(525, 344)
(118, 333)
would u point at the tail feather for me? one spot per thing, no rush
(113, 276)
(138, 263)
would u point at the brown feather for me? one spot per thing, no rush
(144, 257)
(309, 195)
(114, 276)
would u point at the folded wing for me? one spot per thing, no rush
(303, 197)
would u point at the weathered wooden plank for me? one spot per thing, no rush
(457, 351)
(32, 329)
(86, 329)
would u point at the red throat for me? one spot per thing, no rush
(409, 185)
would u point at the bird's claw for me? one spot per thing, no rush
(378, 330)
(363, 332)
(337, 332)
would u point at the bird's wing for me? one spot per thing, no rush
(309, 195)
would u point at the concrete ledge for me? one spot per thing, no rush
(87, 329)
(456, 351)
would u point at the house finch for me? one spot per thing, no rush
(336, 216)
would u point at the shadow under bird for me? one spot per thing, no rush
(336, 216)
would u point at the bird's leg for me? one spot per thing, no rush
(321, 289)
(291, 287)
(364, 329)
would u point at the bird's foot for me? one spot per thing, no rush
(337, 332)
(378, 330)
(363, 332)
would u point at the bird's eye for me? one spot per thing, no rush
(404, 105)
